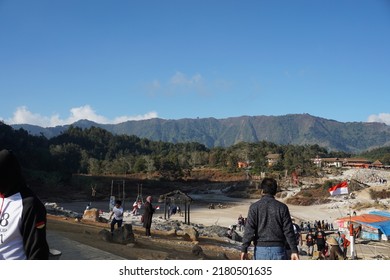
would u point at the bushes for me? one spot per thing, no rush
(383, 194)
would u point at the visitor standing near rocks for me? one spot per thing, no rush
(269, 227)
(335, 252)
(117, 212)
(148, 215)
(22, 215)
(240, 222)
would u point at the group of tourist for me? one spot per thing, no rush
(146, 219)
(269, 225)
(327, 247)
(23, 215)
(323, 224)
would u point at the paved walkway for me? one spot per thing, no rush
(72, 250)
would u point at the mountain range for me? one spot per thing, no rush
(294, 129)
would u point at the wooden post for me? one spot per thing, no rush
(352, 240)
(185, 213)
(165, 207)
(123, 195)
(189, 204)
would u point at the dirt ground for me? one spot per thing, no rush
(160, 246)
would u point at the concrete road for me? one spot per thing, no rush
(72, 250)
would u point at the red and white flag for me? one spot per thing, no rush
(341, 188)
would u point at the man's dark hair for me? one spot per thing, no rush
(118, 202)
(269, 186)
(11, 178)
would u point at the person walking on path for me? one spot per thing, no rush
(269, 227)
(117, 212)
(320, 240)
(310, 243)
(148, 215)
(298, 235)
(22, 215)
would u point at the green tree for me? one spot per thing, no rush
(67, 156)
(140, 165)
(94, 166)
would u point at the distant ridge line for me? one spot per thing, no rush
(295, 129)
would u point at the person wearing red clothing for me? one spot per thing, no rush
(345, 245)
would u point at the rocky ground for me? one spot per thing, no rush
(169, 242)
(163, 245)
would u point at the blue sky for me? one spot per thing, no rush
(112, 61)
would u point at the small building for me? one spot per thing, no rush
(346, 162)
(272, 159)
(357, 162)
(242, 164)
(377, 164)
(328, 162)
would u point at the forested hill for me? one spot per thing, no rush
(295, 129)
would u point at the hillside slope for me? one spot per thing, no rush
(295, 129)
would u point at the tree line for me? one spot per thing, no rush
(96, 151)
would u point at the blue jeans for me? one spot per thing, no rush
(270, 253)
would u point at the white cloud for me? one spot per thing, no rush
(382, 118)
(23, 116)
(180, 79)
(155, 85)
(178, 84)
(147, 116)
(85, 112)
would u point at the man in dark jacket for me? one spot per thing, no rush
(22, 215)
(269, 227)
(148, 215)
(320, 240)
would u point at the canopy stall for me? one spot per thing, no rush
(374, 226)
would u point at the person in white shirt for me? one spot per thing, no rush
(22, 215)
(117, 212)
